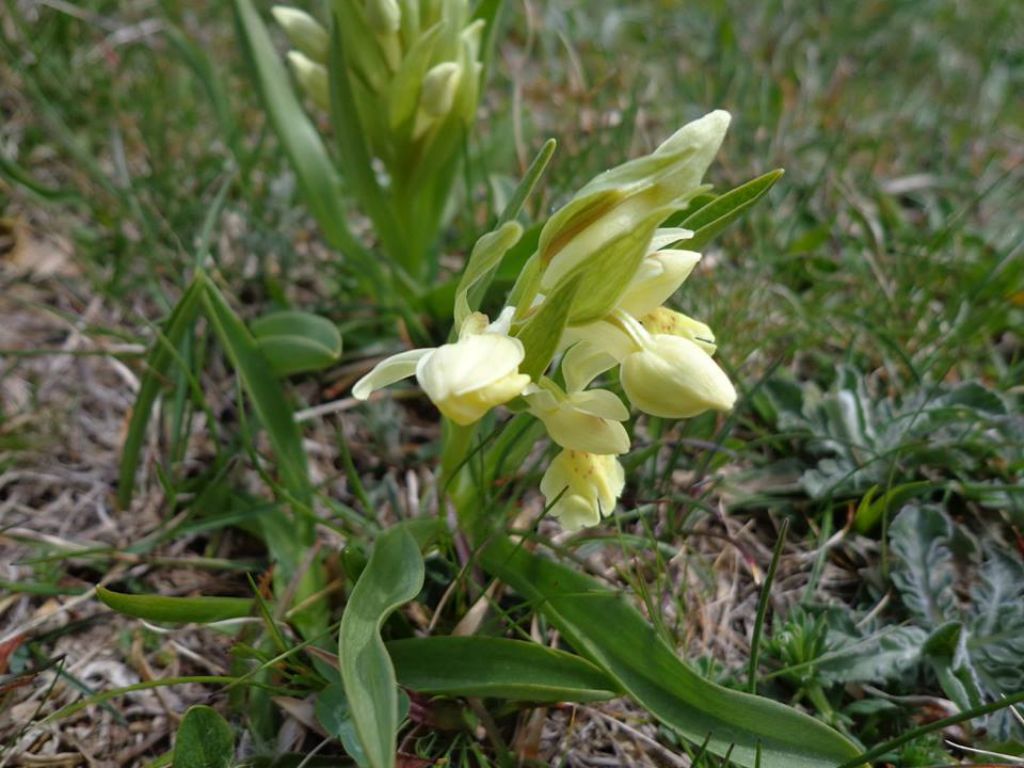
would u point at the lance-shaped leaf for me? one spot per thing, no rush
(394, 575)
(263, 389)
(709, 220)
(483, 261)
(602, 626)
(176, 610)
(499, 668)
(314, 170)
(542, 331)
(158, 364)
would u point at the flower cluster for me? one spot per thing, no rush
(414, 68)
(606, 258)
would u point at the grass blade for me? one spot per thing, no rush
(602, 626)
(263, 389)
(393, 576)
(158, 363)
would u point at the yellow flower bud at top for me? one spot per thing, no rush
(603, 233)
(312, 78)
(582, 487)
(304, 32)
(672, 377)
(668, 321)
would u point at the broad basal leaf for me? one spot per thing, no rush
(297, 342)
(491, 666)
(394, 575)
(602, 626)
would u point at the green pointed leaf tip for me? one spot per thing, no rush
(711, 219)
(498, 668)
(602, 626)
(204, 740)
(176, 610)
(297, 342)
(541, 332)
(393, 576)
(483, 262)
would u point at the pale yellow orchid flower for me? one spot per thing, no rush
(582, 487)
(464, 379)
(581, 420)
(664, 374)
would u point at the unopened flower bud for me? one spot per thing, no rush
(603, 233)
(440, 85)
(472, 35)
(312, 78)
(383, 16)
(674, 378)
(304, 32)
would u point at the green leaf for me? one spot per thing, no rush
(275, 414)
(872, 508)
(314, 170)
(541, 332)
(874, 659)
(495, 667)
(602, 626)
(483, 262)
(393, 576)
(355, 153)
(176, 610)
(924, 571)
(204, 740)
(297, 342)
(332, 711)
(158, 364)
(264, 391)
(946, 649)
(710, 219)
(529, 182)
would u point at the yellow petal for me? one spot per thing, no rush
(675, 378)
(394, 368)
